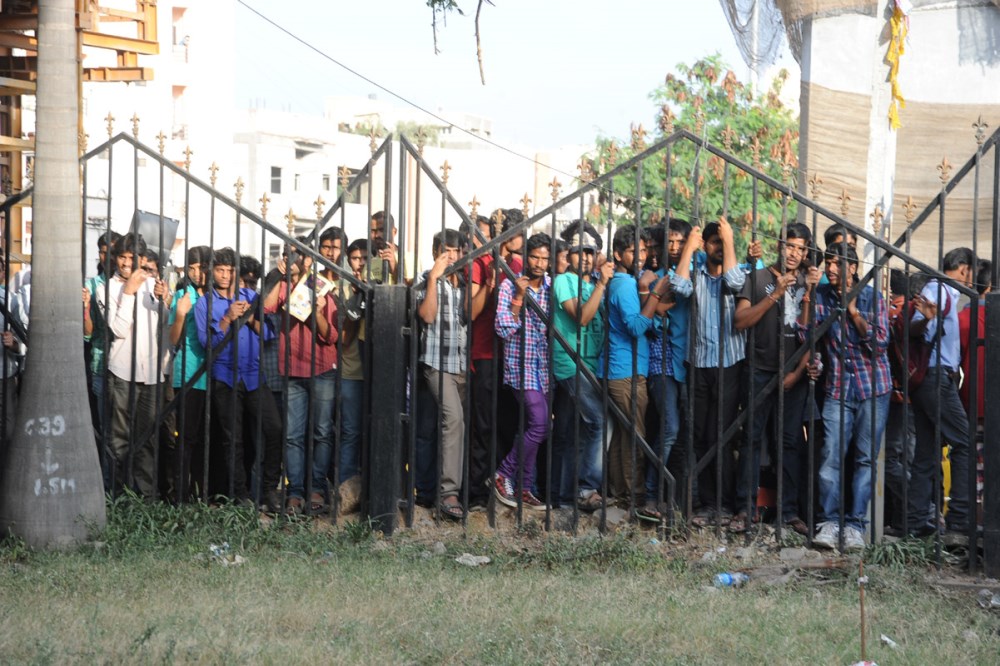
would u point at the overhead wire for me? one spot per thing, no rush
(405, 100)
(398, 96)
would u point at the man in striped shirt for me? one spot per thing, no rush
(717, 362)
(526, 369)
(443, 309)
(857, 392)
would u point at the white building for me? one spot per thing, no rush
(297, 159)
(293, 159)
(188, 102)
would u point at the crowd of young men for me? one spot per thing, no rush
(568, 363)
(238, 359)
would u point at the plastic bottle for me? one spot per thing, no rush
(731, 579)
(987, 599)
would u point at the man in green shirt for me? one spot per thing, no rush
(577, 294)
(96, 342)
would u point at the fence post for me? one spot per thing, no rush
(388, 399)
(991, 441)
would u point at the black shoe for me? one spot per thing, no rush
(893, 531)
(962, 531)
(272, 502)
(924, 531)
(957, 527)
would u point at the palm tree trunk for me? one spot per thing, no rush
(51, 492)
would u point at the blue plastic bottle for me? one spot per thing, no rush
(731, 579)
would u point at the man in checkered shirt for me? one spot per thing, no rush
(444, 311)
(526, 369)
(857, 393)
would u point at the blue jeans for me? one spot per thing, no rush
(424, 411)
(351, 420)
(588, 461)
(323, 388)
(97, 388)
(858, 415)
(664, 393)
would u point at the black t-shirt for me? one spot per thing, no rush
(758, 287)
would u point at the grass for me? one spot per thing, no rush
(152, 594)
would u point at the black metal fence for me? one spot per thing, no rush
(337, 372)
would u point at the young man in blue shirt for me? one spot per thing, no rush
(237, 383)
(625, 364)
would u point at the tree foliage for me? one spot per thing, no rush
(710, 101)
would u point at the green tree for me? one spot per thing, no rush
(413, 129)
(708, 100)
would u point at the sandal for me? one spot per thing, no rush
(590, 503)
(317, 503)
(293, 506)
(451, 509)
(703, 518)
(739, 522)
(649, 513)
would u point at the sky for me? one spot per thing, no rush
(558, 72)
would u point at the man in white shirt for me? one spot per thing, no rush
(137, 300)
(936, 404)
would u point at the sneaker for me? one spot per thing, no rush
(827, 536)
(503, 489)
(854, 540)
(529, 501)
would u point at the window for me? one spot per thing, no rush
(295, 183)
(326, 182)
(275, 180)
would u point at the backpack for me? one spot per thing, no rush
(910, 369)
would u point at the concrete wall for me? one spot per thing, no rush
(948, 75)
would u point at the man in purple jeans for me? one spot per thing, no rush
(526, 369)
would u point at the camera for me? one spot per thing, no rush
(355, 307)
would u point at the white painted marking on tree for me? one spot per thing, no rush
(48, 466)
(54, 426)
